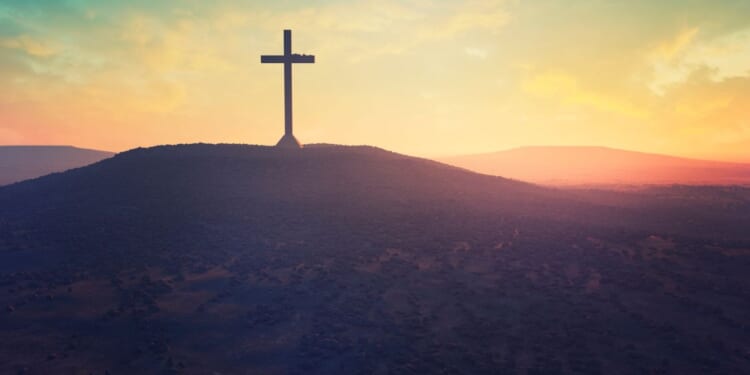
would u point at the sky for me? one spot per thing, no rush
(419, 77)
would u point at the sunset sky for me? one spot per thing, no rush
(420, 77)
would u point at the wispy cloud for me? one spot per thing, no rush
(724, 56)
(30, 45)
(475, 52)
(564, 87)
(670, 49)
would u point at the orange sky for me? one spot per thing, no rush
(420, 77)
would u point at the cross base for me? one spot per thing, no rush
(289, 142)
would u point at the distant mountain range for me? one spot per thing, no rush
(18, 163)
(573, 165)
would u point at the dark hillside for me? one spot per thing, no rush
(247, 259)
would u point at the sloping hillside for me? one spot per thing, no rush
(246, 259)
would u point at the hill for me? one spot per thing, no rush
(563, 165)
(232, 259)
(18, 163)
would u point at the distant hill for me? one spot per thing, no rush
(18, 163)
(201, 259)
(569, 165)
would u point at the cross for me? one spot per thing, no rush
(288, 58)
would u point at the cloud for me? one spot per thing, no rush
(668, 50)
(29, 45)
(566, 88)
(170, 47)
(387, 27)
(723, 56)
(479, 53)
(728, 54)
(337, 17)
(484, 15)
(363, 17)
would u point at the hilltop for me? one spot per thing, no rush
(18, 163)
(331, 259)
(575, 165)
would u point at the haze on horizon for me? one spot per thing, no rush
(419, 77)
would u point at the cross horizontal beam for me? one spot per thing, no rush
(294, 58)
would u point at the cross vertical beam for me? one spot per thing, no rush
(288, 58)
(288, 82)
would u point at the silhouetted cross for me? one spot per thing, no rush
(288, 58)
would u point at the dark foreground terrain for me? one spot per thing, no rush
(236, 259)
